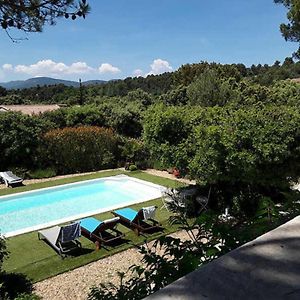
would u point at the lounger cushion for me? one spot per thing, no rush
(112, 220)
(51, 234)
(127, 213)
(90, 224)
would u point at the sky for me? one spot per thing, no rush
(122, 38)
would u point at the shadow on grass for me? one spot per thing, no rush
(118, 242)
(80, 251)
(14, 284)
(152, 231)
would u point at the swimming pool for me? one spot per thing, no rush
(29, 211)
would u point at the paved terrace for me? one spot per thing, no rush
(266, 268)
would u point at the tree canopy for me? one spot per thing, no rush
(32, 15)
(291, 30)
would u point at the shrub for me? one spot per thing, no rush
(134, 151)
(19, 139)
(42, 173)
(133, 168)
(3, 252)
(81, 149)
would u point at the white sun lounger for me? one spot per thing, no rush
(63, 239)
(10, 179)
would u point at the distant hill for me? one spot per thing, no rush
(33, 82)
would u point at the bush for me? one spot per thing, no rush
(27, 297)
(41, 173)
(19, 139)
(134, 151)
(3, 252)
(80, 149)
(133, 168)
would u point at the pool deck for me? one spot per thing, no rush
(265, 268)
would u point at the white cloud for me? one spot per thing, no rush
(7, 67)
(159, 66)
(49, 67)
(80, 68)
(108, 68)
(138, 73)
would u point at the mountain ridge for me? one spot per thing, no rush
(42, 81)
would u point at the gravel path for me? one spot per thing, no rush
(75, 284)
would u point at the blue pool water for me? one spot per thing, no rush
(30, 211)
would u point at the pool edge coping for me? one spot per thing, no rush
(83, 215)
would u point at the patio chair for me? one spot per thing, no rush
(101, 232)
(141, 221)
(168, 197)
(203, 201)
(10, 179)
(63, 239)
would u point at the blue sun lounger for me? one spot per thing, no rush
(100, 232)
(140, 221)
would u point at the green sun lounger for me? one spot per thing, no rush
(101, 232)
(62, 239)
(140, 221)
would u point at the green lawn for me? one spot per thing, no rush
(38, 261)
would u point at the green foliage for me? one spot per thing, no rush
(24, 296)
(134, 151)
(125, 118)
(242, 152)
(3, 251)
(210, 90)
(170, 258)
(81, 149)
(164, 131)
(87, 115)
(31, 16)
(250, 94)
(291, 31)
(285, 92)
(266, 209)
(176, 96)
(247, 146)
(3, 91)
(140, 96)
(169, 88)
(42, 173)
(132, 168)
(19, 139)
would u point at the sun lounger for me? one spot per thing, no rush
(10, 179)
(101, 232)
(63, 239)
(140, 221)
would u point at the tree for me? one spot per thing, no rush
(291, 30)
(32, 15)
(19, 139)
(209, 89)
(3, 91)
